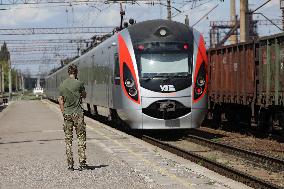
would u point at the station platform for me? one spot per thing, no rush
(32, 155)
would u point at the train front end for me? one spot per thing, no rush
(163, 74)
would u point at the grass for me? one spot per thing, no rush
(211, 182)
(200, 162)
(215, 139)
(27, 95)
(30, 97)
(213, 158)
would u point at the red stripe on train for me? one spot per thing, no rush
(201, 56)
(124, 56)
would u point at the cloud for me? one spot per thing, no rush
(111, 16)
(21, 15)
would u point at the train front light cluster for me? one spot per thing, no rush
(200, 82)
(129, 83)
(132, 92)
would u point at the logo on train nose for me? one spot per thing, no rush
(167, 88)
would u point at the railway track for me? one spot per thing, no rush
(222, 169)
(227, 171)
(271, 163)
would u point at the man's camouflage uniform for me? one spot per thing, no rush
(71, 90)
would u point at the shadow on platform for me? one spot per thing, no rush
(2, 107)
(93, 167)
(40, 140)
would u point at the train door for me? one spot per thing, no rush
(101, 89)
(92, 80)
(110, 76)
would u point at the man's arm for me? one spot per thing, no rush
(61, 103)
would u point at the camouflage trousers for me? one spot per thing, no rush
(77, 121)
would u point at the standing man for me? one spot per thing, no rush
(71, 93)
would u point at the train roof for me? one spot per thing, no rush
(148, 30)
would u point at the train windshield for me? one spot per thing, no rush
(164, 64)
(163, 59)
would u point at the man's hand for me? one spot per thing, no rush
(83, 94)
(61, 103)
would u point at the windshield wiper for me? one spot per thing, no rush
(181, 75)
(147, 78)
(153, 77)
(168, 78)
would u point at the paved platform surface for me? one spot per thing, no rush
(32, 155)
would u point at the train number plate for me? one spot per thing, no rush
(172, 123)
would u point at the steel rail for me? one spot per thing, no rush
(271, 162)
(229, 172)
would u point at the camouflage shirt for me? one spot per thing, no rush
(71, 90)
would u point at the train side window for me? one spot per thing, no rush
(116, 70)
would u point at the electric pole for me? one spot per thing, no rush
(23, 83)
(169, 9)
(10, 79)
(282, 9)
(1, 79)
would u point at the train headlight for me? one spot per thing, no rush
(200, 81)
(129, 83)
(132, 92)
(198, 90)
(163, 32)
(200, 73)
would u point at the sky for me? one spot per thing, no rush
(100, 14)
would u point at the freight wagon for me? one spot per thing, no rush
(246, 83)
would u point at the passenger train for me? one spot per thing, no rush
(150, 75)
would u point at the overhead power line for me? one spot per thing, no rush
(29, 2)
(60, 54)
(50, 45)
(44, 41)
(44, 49)
(228, 24)
(34, 61)
(61, 30)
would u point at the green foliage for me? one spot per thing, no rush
(4, 57)
(4, 64)
(216, 139)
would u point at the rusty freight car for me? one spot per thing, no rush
(246, 83)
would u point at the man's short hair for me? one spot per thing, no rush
(72, 69)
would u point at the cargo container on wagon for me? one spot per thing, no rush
(246, 82)
(270, 81)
